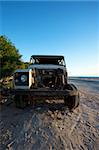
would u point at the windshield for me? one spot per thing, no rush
(56, 60)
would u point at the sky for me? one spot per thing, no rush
(63, 28)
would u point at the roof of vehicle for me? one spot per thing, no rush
(48, 56)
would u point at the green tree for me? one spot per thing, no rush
(10, 58)
(26, 64)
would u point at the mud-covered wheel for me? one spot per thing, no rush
(20, 101)
(72, 101)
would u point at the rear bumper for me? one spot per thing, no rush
(45, 93)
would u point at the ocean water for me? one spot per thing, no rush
(90, 83)
(85, 78)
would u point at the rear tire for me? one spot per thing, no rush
(72, 101)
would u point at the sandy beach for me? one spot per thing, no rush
(49, 126)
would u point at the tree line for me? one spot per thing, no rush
(10, 58)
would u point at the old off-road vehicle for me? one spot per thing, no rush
(46, 77)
